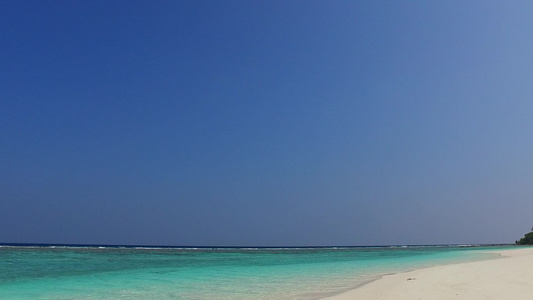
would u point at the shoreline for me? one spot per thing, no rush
(509, 276)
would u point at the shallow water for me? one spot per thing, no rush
(177, 273)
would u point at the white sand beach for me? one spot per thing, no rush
(508, 277)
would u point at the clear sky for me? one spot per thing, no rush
(266, 123)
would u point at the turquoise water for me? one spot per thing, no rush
(173, 273)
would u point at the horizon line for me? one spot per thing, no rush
(80, 245)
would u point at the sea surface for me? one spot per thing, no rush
(105, 272)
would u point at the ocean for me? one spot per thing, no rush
(123, 272)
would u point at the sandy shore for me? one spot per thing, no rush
(509, 277)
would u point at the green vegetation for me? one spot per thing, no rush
(527, 239)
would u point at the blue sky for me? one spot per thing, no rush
(266, 122)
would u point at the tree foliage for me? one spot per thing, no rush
(526, 240)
